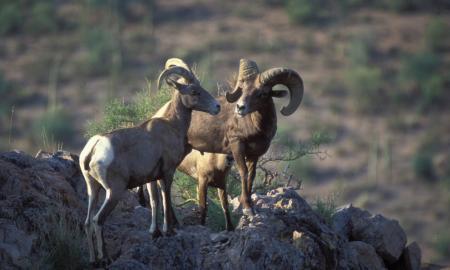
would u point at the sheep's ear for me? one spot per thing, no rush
(180, 87)
(278, 93)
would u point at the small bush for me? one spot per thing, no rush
(421, 73)
(66, 244)
(118, 114)
(423, 165)
(101, 48)
(6, 89)
(442, 244)
(304, 11)
(361, 49)
(325, 207)
(436, 35)
(401, 5)
(42, 18)
(365, 85)
(10, 17)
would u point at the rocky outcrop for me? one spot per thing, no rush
(284, 234)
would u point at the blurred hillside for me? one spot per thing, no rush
(376, 73)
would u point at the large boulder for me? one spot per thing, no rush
(383, 234)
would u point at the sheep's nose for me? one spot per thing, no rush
(229, 158)
(218, 107)
(240, 107)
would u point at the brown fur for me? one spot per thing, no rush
(130, 157)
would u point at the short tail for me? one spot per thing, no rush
(88, 157)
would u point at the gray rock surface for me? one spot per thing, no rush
(362, 256)
(284, 234)
(385, 235)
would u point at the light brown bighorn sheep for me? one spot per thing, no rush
(130, 157)
(247, 121)
(209, 169)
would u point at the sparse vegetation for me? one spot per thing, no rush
(10, 17)
(436, 35)
(118, 114)
(422, 71)
(66, 244)
(325, 207)
(423, 165)
(54, 127)
(442, 244)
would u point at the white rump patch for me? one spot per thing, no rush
(104, 152)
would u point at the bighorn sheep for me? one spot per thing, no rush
(247, 121)
(130, 157)
(209, 169)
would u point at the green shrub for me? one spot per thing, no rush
(325, 207)
(304, 11)
(6, 92)
(42, 18)
(361, 49)
(10, 17)
(422, 72)
(54, 125)
(118, 114)
(101, 48)
(423, 165)
(442, 244)
(436, 34)
(66, 244)
(401, 5)
(365, 85)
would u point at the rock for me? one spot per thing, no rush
(410, 258)
(385, 235)
(360, 255)
(285, 233)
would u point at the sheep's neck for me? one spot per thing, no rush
(178, 115)
(265, 120)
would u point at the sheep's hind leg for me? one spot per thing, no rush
(111, 199)
(223, 196)
(202, 197)
(154, 199)
(93, 188)
(165, 193)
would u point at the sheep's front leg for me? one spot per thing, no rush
(251, 165)
(154, 199)
(238, 150)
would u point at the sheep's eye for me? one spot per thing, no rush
(195, 93)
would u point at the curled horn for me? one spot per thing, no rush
(176, 62)
(291, 80)
(186, 74)
(247, 70)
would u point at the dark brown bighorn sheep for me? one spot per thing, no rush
(130, 157)
(247, 122)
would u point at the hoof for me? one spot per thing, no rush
(169, 233)
(230, 228)
(248, 212)
(156, 234)
(100, 263)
